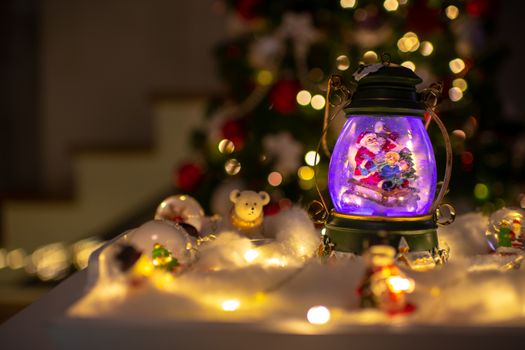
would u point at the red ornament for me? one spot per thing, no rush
(247, 9)
(479, 8)
(188, 176)
(234, 130)
(423, 19)
(271, 209)
(283, 96)
(233, 51)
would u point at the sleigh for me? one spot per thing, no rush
(392, 198)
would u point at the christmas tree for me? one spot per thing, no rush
(263, 133)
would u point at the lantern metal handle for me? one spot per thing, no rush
(429, 97)
(448, 163)
(318, 210)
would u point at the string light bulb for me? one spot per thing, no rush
(230, 305)
(455, 94)
(305, 173)
(343, 62)
(391, 5)
(426, 48)
(460, 83)
(3, 258)
(317, 102)
(264, 77)
(16, 258)
(232, 166)
(318, 315)
(451, 12)
(251, 255)
(399, 284)
(275, 178)
(370, 57)
(347, 4)
(408, 43)
(312, 158)
(481, 191)
(456, 65)
(410, 65)
(303, 97)
(226, 146)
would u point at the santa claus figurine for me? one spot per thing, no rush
(371, 145)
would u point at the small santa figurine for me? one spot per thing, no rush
(515, 234)
(372, 146)
(384, 286)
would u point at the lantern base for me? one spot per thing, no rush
(353, 233)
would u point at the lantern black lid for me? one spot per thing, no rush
(390, 90)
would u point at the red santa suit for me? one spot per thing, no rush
(365, 167)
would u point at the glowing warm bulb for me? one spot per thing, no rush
(275, 178)
(3, 259)
(82, 251)
(312, 158)
(398, 284)
(391, 5)
(460, 83)
(370, 57)
(343, 62)
(143, 267)
(264, 77)
(460, 134)
(409, 64)
(347, 4)
(452, 12)
(317, 102)
(318, 315)
(50, 261)
(456, 65)
(230, 305)
(163, 280)
(276, 262)
(481, 191)
(408, 43)
(305, 173)
(455, 94)
(426, 48)
(251, 255)
(16, 259)
(225, 146)
(303, 97)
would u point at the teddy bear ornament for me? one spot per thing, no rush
(247, 211)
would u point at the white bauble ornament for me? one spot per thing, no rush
(505, 232)
(172, 237)
(181, 209)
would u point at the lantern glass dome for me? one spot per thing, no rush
(383, 165)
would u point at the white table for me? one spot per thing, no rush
(29, 329)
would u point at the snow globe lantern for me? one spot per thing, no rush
(382, 175)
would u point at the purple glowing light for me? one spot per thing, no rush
(383, 165)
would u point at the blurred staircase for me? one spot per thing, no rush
(111, 188)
